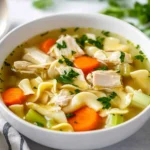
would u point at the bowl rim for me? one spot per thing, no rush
(31, 126)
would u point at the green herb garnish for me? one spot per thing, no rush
(34, 87)
(70, 115)
(106, 100)
(122, 56)
(6, 63)
(59, 46)
(81, 41)
(66, 60)
(77, 91)
(39, 124)
(73, 52)
(67, 78)
(63, 30)
(102, 68)
(76, 29)
(139, 57)
(42, 4)
(137, 47)
(43, 34)
(106, 33)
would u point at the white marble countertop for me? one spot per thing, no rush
(22, 11)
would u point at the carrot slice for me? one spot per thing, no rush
(46, 45)
(85, 119)
(86, 64)
(13, 96)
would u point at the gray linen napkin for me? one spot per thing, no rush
(10, 139)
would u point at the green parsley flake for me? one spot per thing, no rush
(76, 29)
(59, 46)
(139, 57)
(67, 78)
(70, 115)
(43, 34)
(73, 52)
(106, 33)
(6, 63)
(63, 30)
(106, 100)
(122, 56)
(102, 68)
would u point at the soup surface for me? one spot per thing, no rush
(76, 79)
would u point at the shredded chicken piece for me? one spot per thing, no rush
(106, 79)
(71, 45)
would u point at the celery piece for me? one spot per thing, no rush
(50, 123)
(114, 119)
(125, 69)
(34, 117)
(140, 100)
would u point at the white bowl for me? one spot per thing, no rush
(79, 140)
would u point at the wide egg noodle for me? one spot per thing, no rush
(53, 112)
(83, 99)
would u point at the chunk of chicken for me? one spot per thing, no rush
(106, 79)
(112, 57)
(22, 65)
(71, 45)
(62, 99)
(35, 56)
(113, 44)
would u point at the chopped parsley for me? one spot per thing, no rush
(34, 87)
(139, 57)
(106, 100)
(122, 56)
(66, 60)
(70, 115)
(6, 63)
(59, 46)
(76, 29)
(67, 78)
(138, 46)
(63, 30)
(73, 52)
(39, 124)
(43, 34)
(102, 68)
(77, 91)
(98, 42)
(106, 33)
(81, 41)
(42, 4)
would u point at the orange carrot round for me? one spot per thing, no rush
(13, 96)
(86, 64)
(46, 45)
(85, 119)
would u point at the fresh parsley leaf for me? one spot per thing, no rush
(77, 91)
(63, 30)
(98, 42)
(67, 61)
(60, 61)
(42, 4)
(67, 78)
(43, 34)
(106, 100)
(102, 68)
(76, 29)
(59, 46)
(138, 46)
(122, 56)
(6, 63)
(139, 57)
(39, 124)
(34, 87)
(106, 33)
(73, 52)
(70, 115)
(81, 41)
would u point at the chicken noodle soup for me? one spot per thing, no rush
(76, 79)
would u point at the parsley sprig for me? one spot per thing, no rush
(106, 100)
(61, 46)
(66, 60)
(67, 78)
